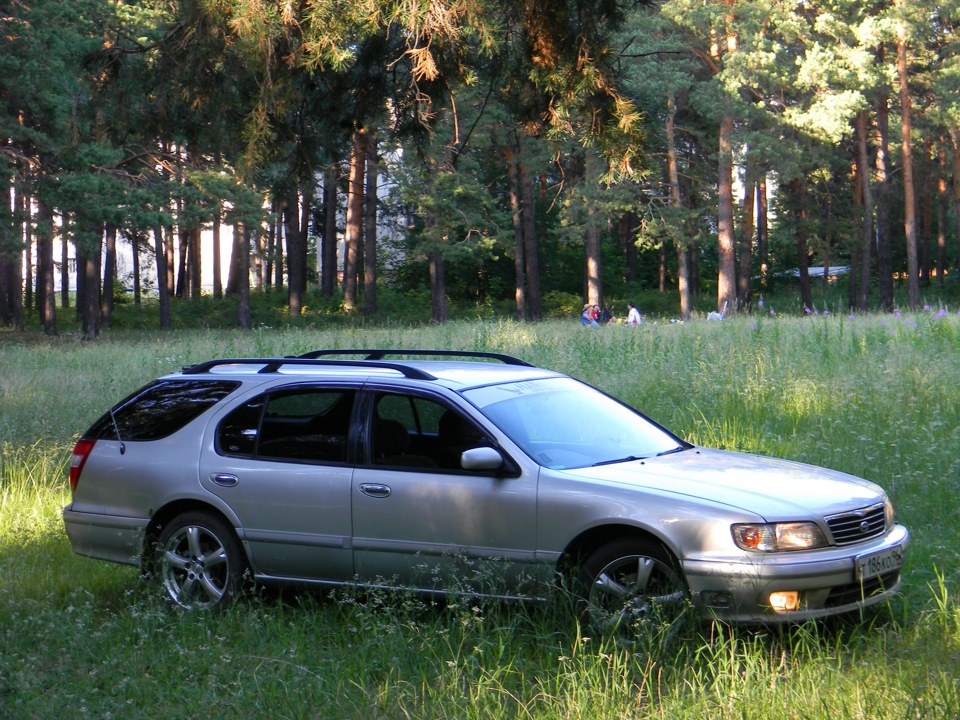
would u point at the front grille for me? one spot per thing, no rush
(859, 525)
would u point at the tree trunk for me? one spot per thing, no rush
(438, 288)
(942, 212)
(109, 274)
(195, 262)
(278, 253)
(168, 249)
(673, 180)
(866, 200)
(762, 233)
(662, 268)
(137, 282)
(370, 228)
(296, 253)
(799, 192)
(23, 204)
(163, 291)
(65, 269)
(520, 295)
(727, 276)
(306, 212)
(46, 299)
(11, 266)
(693, 253)
(744, 290)
(909, 187)
(882, 167)
(182, 281)
(216, 259)
(955, 144)
(328, 268)
(354, 221)
(88, 302)
(244, 319)
(233, 271)
(14, 290)
(594, 268)
(926, 215)
(530, 244)
(183, 278)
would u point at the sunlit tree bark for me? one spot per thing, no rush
(354, 222)
(727, 280)
(866, 200)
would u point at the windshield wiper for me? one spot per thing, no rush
(628, 458)
(631, 458)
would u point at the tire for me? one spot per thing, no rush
(631, 586)
(199, 562)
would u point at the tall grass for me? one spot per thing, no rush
(875, 396)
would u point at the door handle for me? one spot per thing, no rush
(375, 490)
(224, 479)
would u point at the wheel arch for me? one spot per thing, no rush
(173, 509)
(593, 538)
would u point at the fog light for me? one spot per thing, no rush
(784, 601)
(715, 599)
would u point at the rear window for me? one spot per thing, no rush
(160, 409)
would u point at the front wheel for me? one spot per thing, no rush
(630, 585)
(200, 562)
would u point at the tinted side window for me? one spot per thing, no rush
(418, 433)
(160, 409)
(302, 424)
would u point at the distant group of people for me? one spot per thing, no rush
(593, 316)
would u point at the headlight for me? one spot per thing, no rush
(888, 508)
(779, 537)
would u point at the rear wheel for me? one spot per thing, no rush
(200, 563)
(630, 586)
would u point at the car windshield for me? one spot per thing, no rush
(563, 423)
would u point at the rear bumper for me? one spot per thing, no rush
(105, 537)
(826, 583)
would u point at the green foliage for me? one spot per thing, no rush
(561, 305)
(151, 115)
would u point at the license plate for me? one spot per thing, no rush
(869, 566)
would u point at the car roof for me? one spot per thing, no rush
(474, 369)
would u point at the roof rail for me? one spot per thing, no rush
(380, 354)
(272, 365)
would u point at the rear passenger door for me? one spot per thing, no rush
(281, 462)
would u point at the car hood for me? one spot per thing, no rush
(777, 490)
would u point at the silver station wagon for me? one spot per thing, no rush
(463, 472)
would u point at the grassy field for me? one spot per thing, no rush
(877, 396)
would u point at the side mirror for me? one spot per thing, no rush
(481, 458)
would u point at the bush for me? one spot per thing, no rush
(561, 305)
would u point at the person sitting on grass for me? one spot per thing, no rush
(589, 316)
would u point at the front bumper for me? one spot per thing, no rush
(738, 590)
(105, 537)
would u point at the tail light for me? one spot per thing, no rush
(80, 453)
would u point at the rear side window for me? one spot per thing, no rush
(303, 424)
(160, 409)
